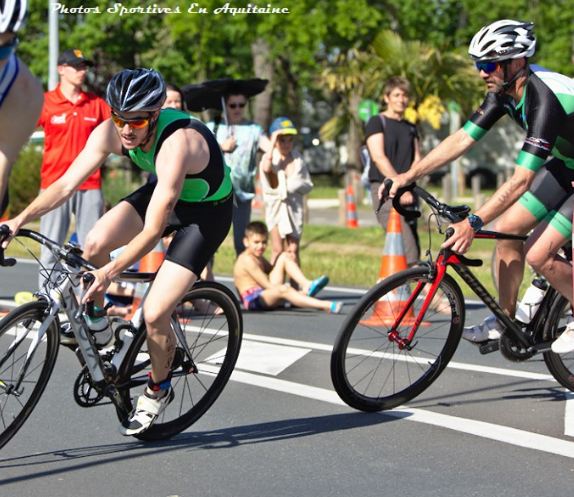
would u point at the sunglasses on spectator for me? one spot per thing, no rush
(137, 123)
(235, 106)
(487, 67)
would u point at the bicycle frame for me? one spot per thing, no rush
(460, 264)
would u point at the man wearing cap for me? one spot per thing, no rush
(68, 117)
(20, 94)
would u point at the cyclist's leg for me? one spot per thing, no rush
(516, 220)
(549, 190)
(172, 282)
(114, 229)
(545, 242)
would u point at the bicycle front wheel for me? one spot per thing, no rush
(211, 324)
(368, 369)
(26, 364)
(561, 366)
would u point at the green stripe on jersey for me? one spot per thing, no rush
(529, 161)
(474, 131)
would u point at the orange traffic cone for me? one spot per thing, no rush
(149, 263)
(386, 311)
(351, 208)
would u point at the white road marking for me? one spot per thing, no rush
(267, 358)
(569, 414)
(505, 434)
(453, 364)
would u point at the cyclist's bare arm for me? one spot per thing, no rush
(508, 193)
(18, 116)
(100, 144)
(446, 151)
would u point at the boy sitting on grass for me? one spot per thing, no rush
(262, 286)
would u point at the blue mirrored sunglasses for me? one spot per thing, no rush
(487, 67)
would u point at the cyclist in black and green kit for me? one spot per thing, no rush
(540, 192)
(192, 197)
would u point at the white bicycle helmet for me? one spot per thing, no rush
(12, 15)
(503, 40)
(134, 90)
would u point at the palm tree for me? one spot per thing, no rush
(436, 76)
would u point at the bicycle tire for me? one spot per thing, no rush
(370, 372)
(214, 340)
(561, 366)
(16, 407)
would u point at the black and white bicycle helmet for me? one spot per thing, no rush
(12, 15)
(134, 90)
(503, 40)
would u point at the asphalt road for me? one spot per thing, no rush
(485, 427)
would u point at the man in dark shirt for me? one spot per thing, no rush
(393, 146)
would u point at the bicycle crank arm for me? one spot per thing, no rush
(488, 347)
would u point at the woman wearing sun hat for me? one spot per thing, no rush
(285, 180)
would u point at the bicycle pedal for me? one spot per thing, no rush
(488, 346)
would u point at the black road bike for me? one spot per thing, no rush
(401, 335)
(207, 324)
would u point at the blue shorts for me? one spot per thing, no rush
(252, 300)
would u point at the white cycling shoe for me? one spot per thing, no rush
(565, 342)
(489, 329)
(147, 410)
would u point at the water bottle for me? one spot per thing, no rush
(531, 301)
(99, 326)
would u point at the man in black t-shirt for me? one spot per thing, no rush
(393, 146)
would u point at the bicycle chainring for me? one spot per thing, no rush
(85, 393)
(514, 351)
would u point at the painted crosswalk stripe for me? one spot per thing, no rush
(498, 433)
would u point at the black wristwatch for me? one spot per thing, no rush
(475, 222)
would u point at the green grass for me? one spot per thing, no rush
(351, 257)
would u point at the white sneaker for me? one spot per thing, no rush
(489, 329)
(146, 412)
(565, 342)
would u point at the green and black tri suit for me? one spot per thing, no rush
(546, 112)
(201, 217)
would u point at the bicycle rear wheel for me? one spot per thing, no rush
(561, 366)
(368, 370)
(17, 332)
(210, 318)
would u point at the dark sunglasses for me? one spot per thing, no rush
(139, 123)
(235, 106)
(487, 67)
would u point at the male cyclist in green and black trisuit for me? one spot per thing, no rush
(540, 192)
(192, 196)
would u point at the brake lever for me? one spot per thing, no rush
(87, 281)
(5, 233)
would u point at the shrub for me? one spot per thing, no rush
(25, 179)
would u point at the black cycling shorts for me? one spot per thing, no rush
(200, 227)
(551, 196)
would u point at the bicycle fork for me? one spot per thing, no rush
(394, 335)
